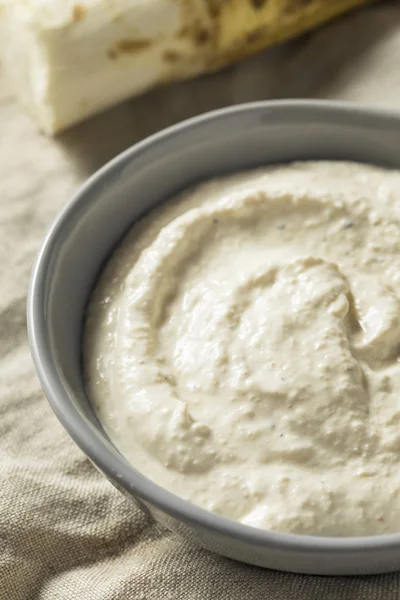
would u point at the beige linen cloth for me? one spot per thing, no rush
(65, 532)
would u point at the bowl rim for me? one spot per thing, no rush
(90, 439)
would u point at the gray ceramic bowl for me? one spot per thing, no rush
(85, 234)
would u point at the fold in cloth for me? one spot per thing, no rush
(65, 532)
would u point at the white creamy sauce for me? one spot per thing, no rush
(242, 348)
